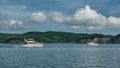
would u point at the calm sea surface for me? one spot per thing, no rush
(60, 56)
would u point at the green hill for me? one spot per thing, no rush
(48, 37)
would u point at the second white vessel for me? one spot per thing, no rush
(92, 43)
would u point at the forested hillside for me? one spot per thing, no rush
(53, 37)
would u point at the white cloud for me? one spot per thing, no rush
(94, 28)
(89, 17)
(113, 21)
(39, 17)
(12, 24)
(75, 27)
(57, 17)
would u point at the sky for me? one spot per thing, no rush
(76, 16)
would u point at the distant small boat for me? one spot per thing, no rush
(31, 43)
(92, 43)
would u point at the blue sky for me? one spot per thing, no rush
(78, 16)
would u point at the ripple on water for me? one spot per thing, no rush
(64, 56)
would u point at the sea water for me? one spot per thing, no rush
(60, 56)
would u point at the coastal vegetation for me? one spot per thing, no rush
(57, 37)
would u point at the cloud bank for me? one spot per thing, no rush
(85, 17)
(11, 24)
(12, 17)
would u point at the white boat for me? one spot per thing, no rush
(31, 43)
(92, 43)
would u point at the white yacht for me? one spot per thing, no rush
(31, 43)
(92, 43)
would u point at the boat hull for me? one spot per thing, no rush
(33, 45)
(92, 44)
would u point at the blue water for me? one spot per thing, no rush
(60, 56)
